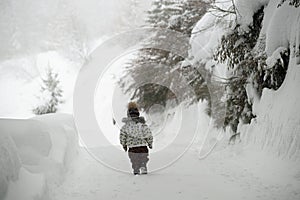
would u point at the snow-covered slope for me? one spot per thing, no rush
(35, 153)
(277, 125)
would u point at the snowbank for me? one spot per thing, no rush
(277, 125)
(16, 182)
(28, 186)
(9, 163)
(35, 153)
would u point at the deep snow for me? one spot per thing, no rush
(235, 173)
(35, 153)
(38, 156)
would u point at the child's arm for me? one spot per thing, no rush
(148, 135)
(123, 138)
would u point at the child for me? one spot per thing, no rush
(137, 137)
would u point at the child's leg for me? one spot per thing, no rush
(134, 161)
(143, 158)
(139, 158)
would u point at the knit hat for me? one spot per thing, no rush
(133, 111)
(132, 105)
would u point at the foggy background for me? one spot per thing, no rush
(59, 34)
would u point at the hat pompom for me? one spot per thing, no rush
(132, 105)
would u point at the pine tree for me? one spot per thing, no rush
(236, 51)
(241, 52)
(295, 3)
(51, 94)
(163, 66)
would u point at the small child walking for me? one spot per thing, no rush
(136, 137)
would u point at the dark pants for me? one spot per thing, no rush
(138, 157)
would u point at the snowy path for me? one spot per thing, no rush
(223, 175)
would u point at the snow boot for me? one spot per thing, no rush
(136, 172)
(143, 170)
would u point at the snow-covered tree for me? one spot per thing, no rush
(236, 51)
(51, 94)
(163, 66)
(242, 53)
(295, 3)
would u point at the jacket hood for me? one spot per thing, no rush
(135, 119)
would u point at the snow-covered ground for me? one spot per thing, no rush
(40, 158)
(47, 169)
(235, 173)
